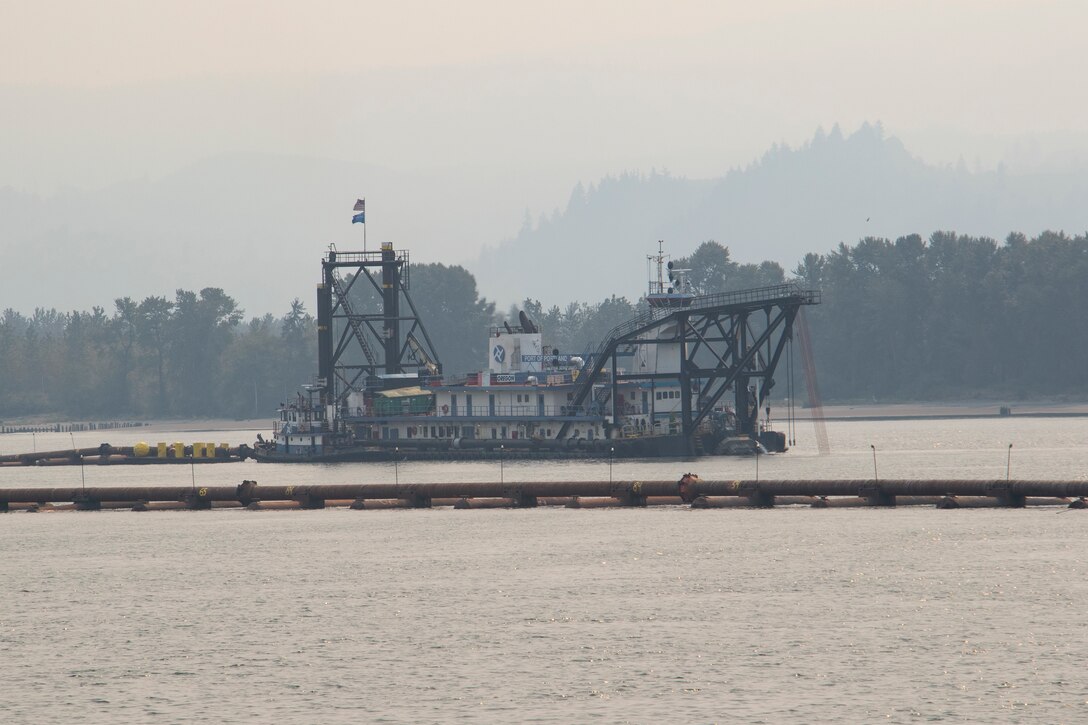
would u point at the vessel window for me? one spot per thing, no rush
(432, 432)
(493, 433)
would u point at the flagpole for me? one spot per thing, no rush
(360, 206)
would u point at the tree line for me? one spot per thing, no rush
(948, 317)
(190, 356)
(951, 317)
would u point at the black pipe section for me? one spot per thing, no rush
(324, 327)
(634, 493)
(391, 309)
(107, 454)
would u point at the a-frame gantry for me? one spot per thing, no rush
(720, 342)
(355, 349)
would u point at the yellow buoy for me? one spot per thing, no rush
(141, 449)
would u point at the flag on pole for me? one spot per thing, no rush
(360, 205)
(359, 218)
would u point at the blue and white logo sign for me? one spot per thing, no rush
(546, 358)
(498, 353)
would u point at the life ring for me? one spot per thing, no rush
(445, 409)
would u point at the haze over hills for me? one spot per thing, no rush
(151, 146)
(256, 224)
(835, 188)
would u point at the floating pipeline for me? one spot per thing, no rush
(575, 494)
(141, 453)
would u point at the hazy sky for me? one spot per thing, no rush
(768, 71)
(498, 107)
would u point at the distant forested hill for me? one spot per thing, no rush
(792, 201)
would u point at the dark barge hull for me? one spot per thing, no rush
(488, 449)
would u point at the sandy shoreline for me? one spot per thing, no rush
(216, 424)
(969, 409)
(184, 425)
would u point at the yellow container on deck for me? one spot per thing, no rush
(198, 450)
(162, 450)
(179, 450)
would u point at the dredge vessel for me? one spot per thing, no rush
(690, 375)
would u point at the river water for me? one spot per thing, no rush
(556, 615)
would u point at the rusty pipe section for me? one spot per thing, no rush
(117, 494)
(760, 493)
(104, 449)
(895, 487)
(249, 491)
